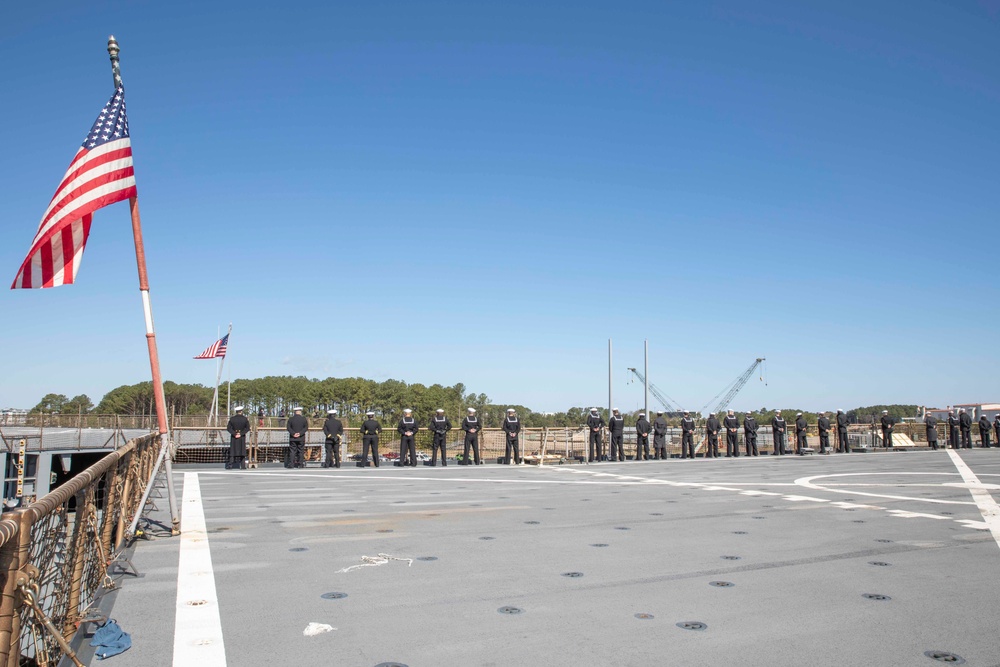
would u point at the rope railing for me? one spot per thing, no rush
(55, 553)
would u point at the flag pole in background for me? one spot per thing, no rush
(154, 359)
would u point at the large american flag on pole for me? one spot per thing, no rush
(216, 349)
(100, 174)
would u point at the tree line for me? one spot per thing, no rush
(352, 397)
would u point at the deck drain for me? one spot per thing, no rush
(599, 545)
(427, 558)
(644, 617)
(758, 517)
(350, 510)
(487, 537)
(390, 664)
(692, 625)
(197, 603)
(948, 513)
(721, 584)
(384, 530)
(849, 510)
(884, 541)
(739, 532)
(299, 549)
(572, 575)
(879, 563)
(335, 595)
(510, 610)
(532, 523)
(730, 557)
(875, 596)
(656, 514)
(859, 521)
(622, 528)
(433, 515)
(944, 656)
(583, 500)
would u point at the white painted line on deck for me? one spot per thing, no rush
(198, 626)
(984, 501)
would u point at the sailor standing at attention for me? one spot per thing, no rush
(660, 437)
(823, 424)
(512, 427)
(965, 424)
(801, 428)
(642, 438)
(370, 431)
(842, 445)
(750, 433)
(687, 436)
(887, 424)
(953, 424)
(333, 429)
(996, 428)
(297, 427)
(732, 425)
(712, 428)
(984, 430)
(407, 428)
(930, 422)
(440, 425)
(778, 429)
(238, 428)
(471, 427)
(616, 430)
(596, 424)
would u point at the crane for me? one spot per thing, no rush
(664, 400)
(734, 387)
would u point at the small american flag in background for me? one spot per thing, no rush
(100, 174)
(216, 349)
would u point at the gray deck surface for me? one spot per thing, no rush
(644, 541)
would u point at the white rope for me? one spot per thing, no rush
(371, 561)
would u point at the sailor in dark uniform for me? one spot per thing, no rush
(616, 431)
(238, 428)
(297, 427)
(596, 424)
(687, 436)
(407, 428)
(996, 428)
(660, 437)
(953, 426)
(732, 425)
(712, 428)
(370, 431)
(930, 422)
(642, 438)
(823, 424)
(471, 427)
(965, 425)
(842, 445)
(440, 425)
(512, 427)
(887, 424)
(984, 430)
(801, 429)
(750, 434)
(333, 429)
(778, 430)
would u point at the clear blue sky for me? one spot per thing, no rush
(484, 193)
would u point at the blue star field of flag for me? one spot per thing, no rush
(111, 124)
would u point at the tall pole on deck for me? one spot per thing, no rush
(154, 359)
(611, 396)
(645, 381)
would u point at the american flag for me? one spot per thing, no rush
(216, 349)
(100, 174)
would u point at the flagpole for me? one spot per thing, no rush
(154, 359)
(229, 376)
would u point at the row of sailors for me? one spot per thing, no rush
(440, 425)
(371, 429)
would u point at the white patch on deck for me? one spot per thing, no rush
(980, 493)
(197, 626)
(314, 629)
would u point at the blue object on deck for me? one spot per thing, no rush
(110, 639)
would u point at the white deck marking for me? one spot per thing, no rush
(198, 626)
(980, 493)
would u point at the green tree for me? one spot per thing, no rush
(50, 403)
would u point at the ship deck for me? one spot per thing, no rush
(860, 559)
